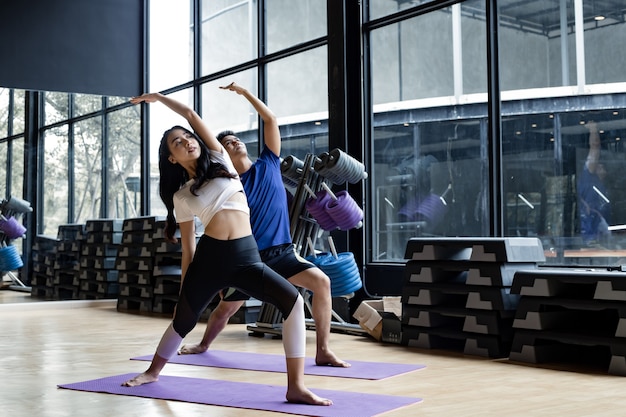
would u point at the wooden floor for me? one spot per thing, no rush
(56, 342)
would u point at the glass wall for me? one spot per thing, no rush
(562, 100)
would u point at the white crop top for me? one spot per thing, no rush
(212, 197)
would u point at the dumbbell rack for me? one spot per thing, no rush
(302, 227)
(13, 207)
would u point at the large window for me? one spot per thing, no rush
(55, 180)
(123, 164)
(562, 127)
(558, 83)
(430, 167)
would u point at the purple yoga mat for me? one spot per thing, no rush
(246, 395)
(276, 363)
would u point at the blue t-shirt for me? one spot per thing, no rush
(597, 205)
(267, 199)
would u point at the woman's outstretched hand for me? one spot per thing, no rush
(234, 87)
(147, 97)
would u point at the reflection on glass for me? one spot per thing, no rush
(55, 181)
(562, 184)
(428, 183)
(291, 22)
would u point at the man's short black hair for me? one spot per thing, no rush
(223, 134)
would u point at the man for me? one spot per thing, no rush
(269, 216)
(594, 205)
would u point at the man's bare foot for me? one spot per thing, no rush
(192, 349)
(304, 396)
(141, 379)
(328, 358)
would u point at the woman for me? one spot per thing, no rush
(198, 179)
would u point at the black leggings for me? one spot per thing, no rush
(219, 264)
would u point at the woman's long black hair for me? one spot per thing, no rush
(173, 176)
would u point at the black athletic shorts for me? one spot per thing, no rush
(282, 259)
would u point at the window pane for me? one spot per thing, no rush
(161, 119)
(605, 34)
(288, 81)
(171, 43)
(535, 50)
(113, 101)
(19, 103)
(413, 59)
(4, 112)
(531, 188)
(429, 181)
(228, 34)
(17, 167)
(124, 194)
(56, 107)
(472, 49)
(55, 181)
(291, 22)
(430, 168)
(87, 170)
(234, 112)
(86, 103)
(559, 189)
(4, 151)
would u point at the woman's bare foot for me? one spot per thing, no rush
(192, 349)
(328, 358)
(304, 396)
(141, 379)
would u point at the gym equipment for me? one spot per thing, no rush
(308, 213)
(11, 210)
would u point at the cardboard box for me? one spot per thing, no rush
(381, 318)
